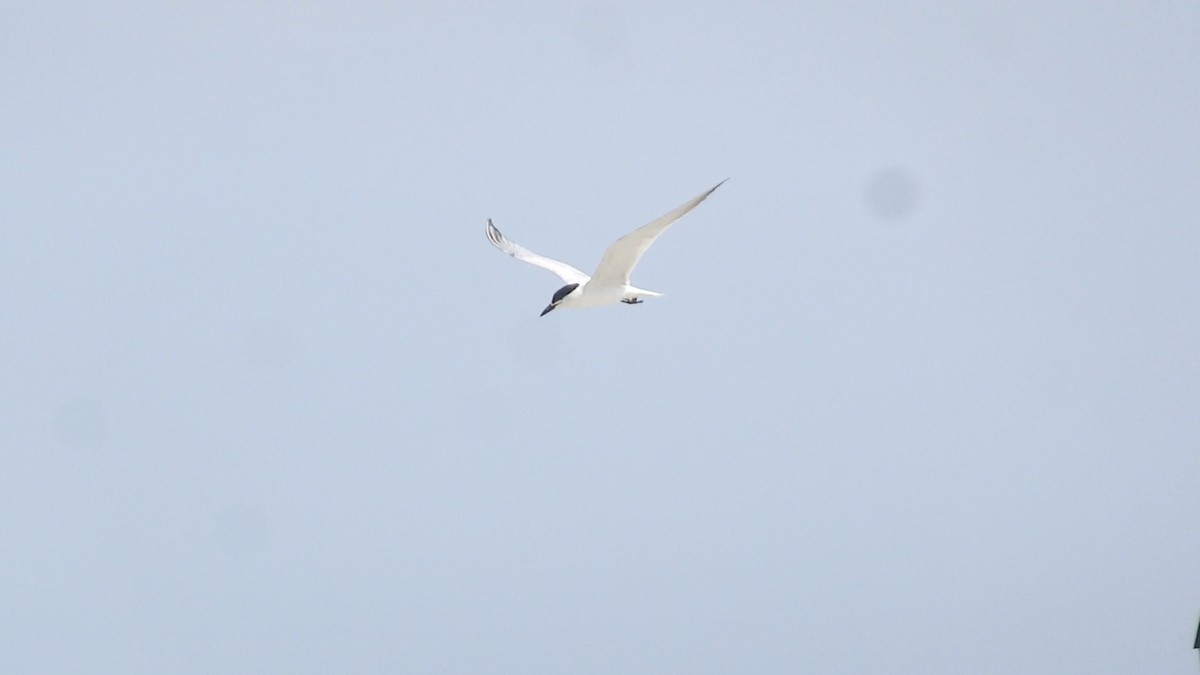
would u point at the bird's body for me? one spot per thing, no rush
(593, 294)
(609, 284)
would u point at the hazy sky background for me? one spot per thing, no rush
(923, 395)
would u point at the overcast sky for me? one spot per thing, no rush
(922, 396)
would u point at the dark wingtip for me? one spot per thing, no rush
(714, 188)
(710, 191)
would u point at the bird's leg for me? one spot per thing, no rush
(631, 301)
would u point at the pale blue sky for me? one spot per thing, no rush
(923, 395)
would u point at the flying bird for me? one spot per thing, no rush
(609, 284)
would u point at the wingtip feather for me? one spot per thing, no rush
(493, 234)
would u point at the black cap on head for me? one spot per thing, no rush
(558, 297)
(562, 293)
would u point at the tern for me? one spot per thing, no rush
(609, 284)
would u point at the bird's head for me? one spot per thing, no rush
(560, 295)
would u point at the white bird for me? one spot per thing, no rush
(609, 284)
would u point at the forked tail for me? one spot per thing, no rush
(633, 292)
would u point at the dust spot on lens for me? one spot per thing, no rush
(537, 343)
(892, 194)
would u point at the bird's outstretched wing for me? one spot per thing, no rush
(620, 258)
(564, 271)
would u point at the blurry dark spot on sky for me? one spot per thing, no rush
(892, 194)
